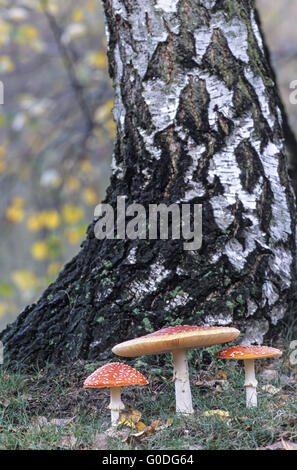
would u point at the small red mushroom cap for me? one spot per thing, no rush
(248, 352)
(114, 374)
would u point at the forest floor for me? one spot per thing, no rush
(49, 409)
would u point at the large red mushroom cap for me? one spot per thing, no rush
(248, 352)
(174, 338)
(114, 374)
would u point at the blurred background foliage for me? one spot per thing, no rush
(57, 130)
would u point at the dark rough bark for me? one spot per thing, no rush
(198, 121)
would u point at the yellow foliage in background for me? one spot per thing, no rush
(72, 184)
(97, 59)
(45, 154)
(77, 15)
(6, 64)
(86, 166)
(28, 32)
(46, 219)
(72, 214)
(90, 196)
(53, 268)
(73, 236)
(24, 279)
(4, 32)
(39, 250)
(3, 164)
(15, 212)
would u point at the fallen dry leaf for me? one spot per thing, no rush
(4, 402)
(289, 445)
(155, 425)
(269, 374)
(221, 375)
(140, 426)
(61, 422)
(218, 384)
(271, 389)
(129, 418)
(68, 441)
(280, 445)
(220, 413)
(100, 442)
(118, 433)
(39, 422)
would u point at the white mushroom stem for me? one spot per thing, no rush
(183, 394)
(250, 383)
(116, 404)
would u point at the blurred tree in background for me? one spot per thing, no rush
(57, 130)
(55, 127)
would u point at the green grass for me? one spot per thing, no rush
(30, 401)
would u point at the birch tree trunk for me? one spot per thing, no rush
(198, 121)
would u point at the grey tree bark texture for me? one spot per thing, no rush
(198, 121)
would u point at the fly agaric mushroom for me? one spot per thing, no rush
(177, 340)
(115, 375)
(249, 354)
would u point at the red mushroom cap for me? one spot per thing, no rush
(176, 337)
(248, 352)
(114, 374)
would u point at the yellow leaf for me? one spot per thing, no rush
(27, 31)
(104, 111)
(14, 214)
(4, 33)
(77, 15)
(53, 268)
(72, 184)
(129, 418)
(51, 219)
(97, 59)
(72, 214)
(140, 426)
(221, 375)
(90, 196)
(39, 250)
(220, 413)
(86, 166)
(18, 202)
(110, 126)
(35, 223)
(24, 279)
(6, 64)
(73, 236)
(155, 425)
(2, 151)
